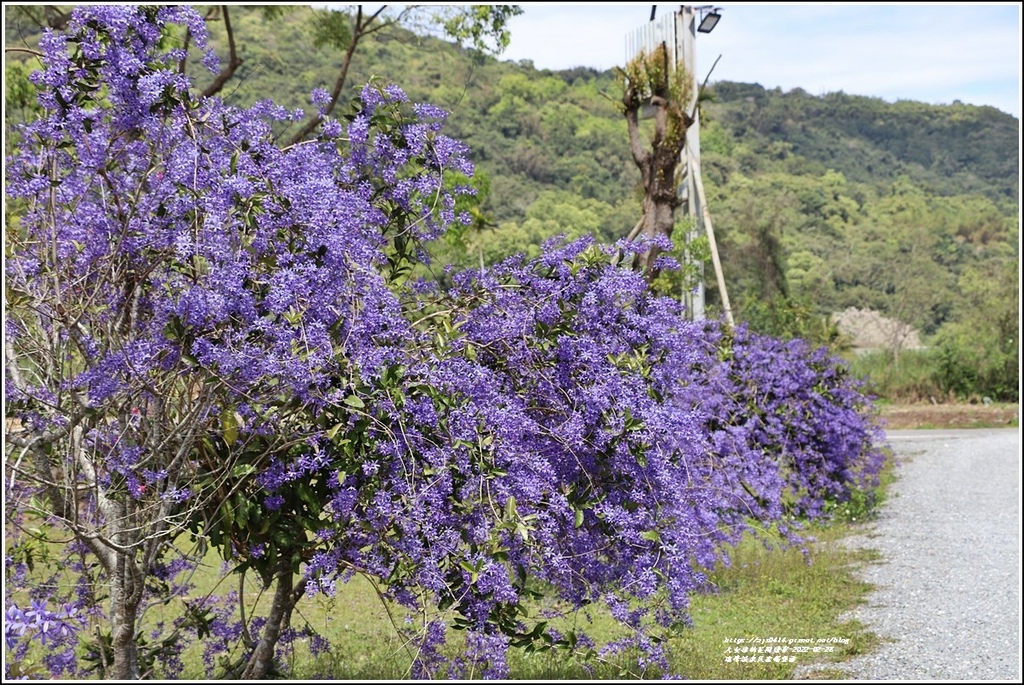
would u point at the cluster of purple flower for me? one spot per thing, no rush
(57, 631)
(581, 432)
(216, 334)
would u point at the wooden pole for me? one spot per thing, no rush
(696, 200)
(719, 276)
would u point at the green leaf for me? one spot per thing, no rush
(472, 569)
(242, 509)
(229, 514)
(309, 498)
(331, 29)
(242, 470)
(355, 402)
(510, 508)
(333, 430)
(229, 426)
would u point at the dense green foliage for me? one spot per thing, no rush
(819, 202)
(953, 149)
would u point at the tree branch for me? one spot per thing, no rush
(636, 143)
(696, 100)
(234, 61)
(29, 51)
(362, 28)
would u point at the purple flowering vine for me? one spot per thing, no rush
(217, 339)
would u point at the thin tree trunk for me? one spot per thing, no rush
(125, 579)
(126, 590)
(262, 658)
(360, 29)
(124, 609)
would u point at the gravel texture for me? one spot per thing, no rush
(947, 600)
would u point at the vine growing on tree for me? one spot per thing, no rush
(652, 80)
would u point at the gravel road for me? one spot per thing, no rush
(947, 601)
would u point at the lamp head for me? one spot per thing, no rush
(708, 20)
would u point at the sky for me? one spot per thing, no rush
(934, 53)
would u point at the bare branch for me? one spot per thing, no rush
(29, 51)
(363, 27)
(234, 61)
(696, 100)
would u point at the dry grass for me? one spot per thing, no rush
(927, 415)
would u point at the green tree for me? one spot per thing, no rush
(897, 258)
(979, 351)
(483, 26)
(554, 213)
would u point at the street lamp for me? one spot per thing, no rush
(709, 17)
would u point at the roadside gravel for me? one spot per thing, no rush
(947, 601)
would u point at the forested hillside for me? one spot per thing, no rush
(948, 149)
(819, 202)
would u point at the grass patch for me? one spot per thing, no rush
(777, 595)
(781, 599)
(912, 379)
(769, 595)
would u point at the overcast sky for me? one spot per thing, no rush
(934, 53)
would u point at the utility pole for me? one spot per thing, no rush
(686, 54)
(678, 32)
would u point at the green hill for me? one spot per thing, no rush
(819, 202)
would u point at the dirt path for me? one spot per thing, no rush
(900, 416)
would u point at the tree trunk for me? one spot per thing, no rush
(126, 589)
(262, 658)
(659, 209)
(360, 28)
(646, 84)
(124, 611)
(125, 578)
(234, 61)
